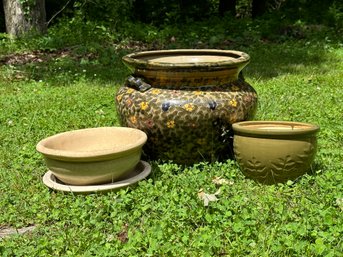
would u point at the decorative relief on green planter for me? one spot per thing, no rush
(272, 152)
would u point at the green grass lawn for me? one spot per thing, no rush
(297, 80)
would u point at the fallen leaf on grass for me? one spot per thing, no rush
(123, 235)
(222, 181)
(207, 198)
(339, 202)
(4, 232)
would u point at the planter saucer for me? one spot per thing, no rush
(141, 171)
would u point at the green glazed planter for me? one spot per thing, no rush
(186, 102)
(274, 151)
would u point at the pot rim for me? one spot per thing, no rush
(274, 128)
(138, 59)
(101, 154)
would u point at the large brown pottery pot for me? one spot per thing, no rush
(274, 151)
(186, 102)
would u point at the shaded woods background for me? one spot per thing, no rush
(118, 13)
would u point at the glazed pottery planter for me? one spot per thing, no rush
(140, 172)
(274, 151)
(186, 101)
(94, 155)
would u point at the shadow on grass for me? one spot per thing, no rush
(273, 60)
(62, 68)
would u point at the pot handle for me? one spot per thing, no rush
(137, 83)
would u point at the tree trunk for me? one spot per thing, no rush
(258, 8)
(227, 6)
(139, 12)
(21, 19)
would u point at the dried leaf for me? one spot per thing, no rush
(207, 198)
(339, 202)
(222, 181)
(123, 235)
(7, 231)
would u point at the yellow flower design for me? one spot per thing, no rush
(156, 91)
(197, 92)
(119, 97)
(130, 91)
(129, 102)
(189, 107)
(133, 119)
(144, 105)
(233, 103)
(171, 124)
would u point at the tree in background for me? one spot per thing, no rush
(22, 16)
(258, 7)
(227, 6)
(171, 11)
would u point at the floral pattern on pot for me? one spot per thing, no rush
(187, 125)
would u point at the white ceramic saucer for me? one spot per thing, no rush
(141, 171)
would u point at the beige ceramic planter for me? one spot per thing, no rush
(274, 151)
(94, 155)
(141, 171)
